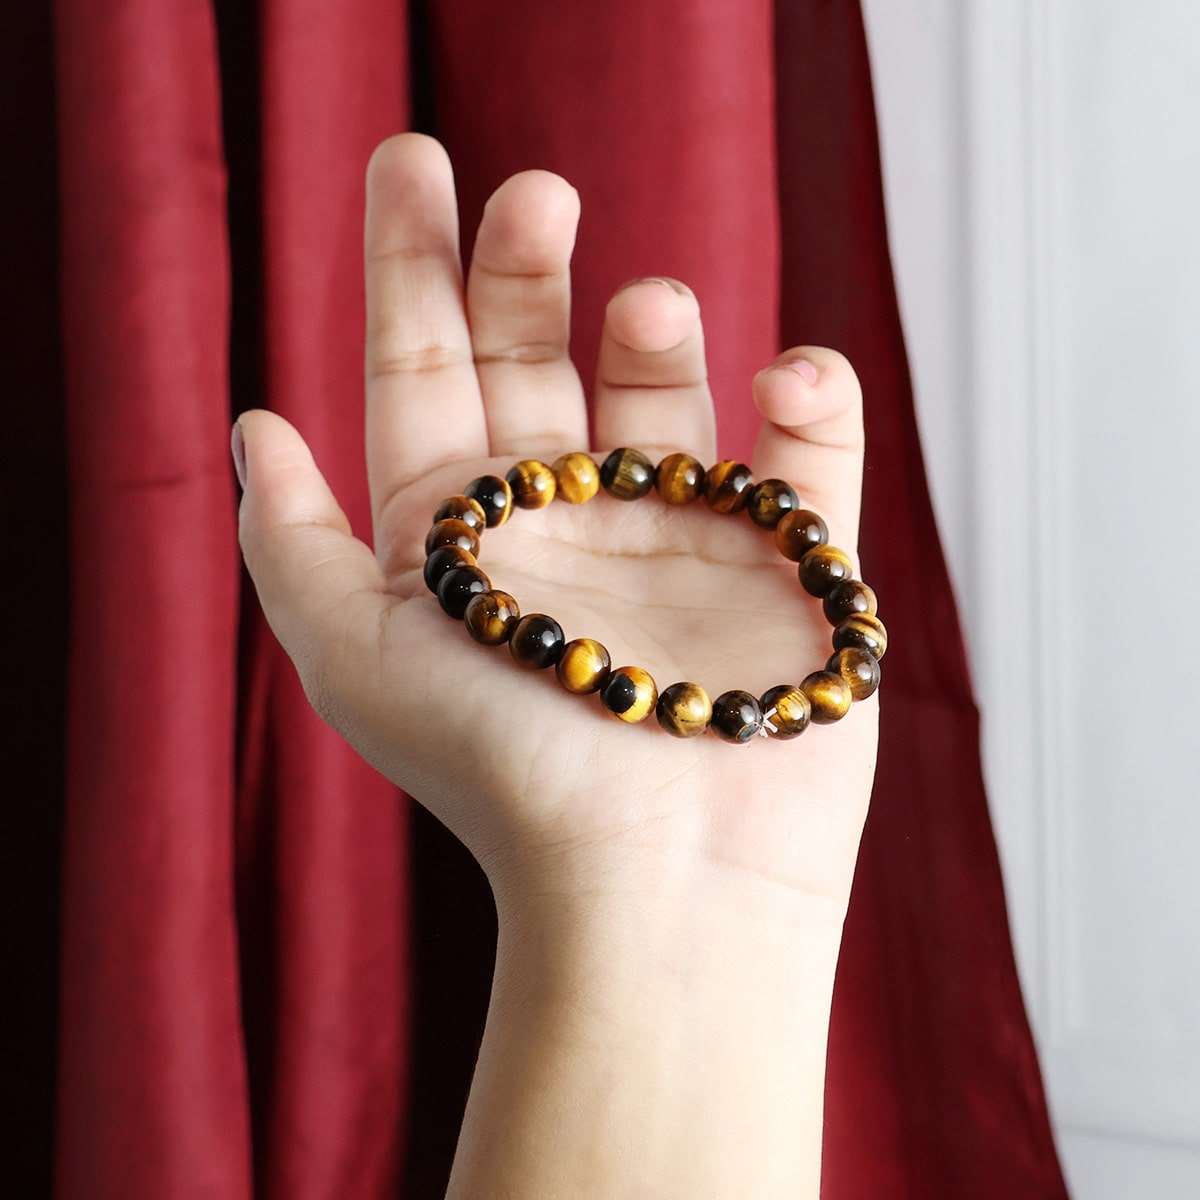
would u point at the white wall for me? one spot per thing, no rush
(1042, 169)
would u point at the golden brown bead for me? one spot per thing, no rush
(679, 478)
(443, 559)
(859, 668)
(684, 710)
(828, 695)
(536, 642)
(863, 630)
(583, 666)
(786, 711)
(452, 532)
(457, 587)
(465, 509)
(799, 532)
(491, 616)
(494, 496)
(533, 483)
(736, 717)
(578, 477)
(823, 568)
(770, 501)
(629, 693)
(727, 487)
(627, 474)
(848, 599)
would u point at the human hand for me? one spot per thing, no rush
(545, 788)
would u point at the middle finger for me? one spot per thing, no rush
(519, 308)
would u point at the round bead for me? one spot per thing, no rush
(532, 482)
(627, 474)
(799, 532)
(684, 710)
(629, 693)
(848, 599)
(736, 717)
(727, 487)
(823, 568)
(786, 711)
(863, 630)
(443, 559)
(457, 587)
(859, 668)
(536, 642)
(491, 617)
(494, 496)
(452, 532)
(583, 666)
(465, 509)
(770, 501)
(578, 477)
(829, 696)
(679, 478)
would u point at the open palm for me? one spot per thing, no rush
(463, 382)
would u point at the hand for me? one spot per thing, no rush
(545, 788)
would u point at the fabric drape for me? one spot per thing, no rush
(274, 969)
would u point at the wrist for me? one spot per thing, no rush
(632, 890)
(676, 1018)
(624, 946)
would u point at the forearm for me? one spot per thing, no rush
(665, 1045)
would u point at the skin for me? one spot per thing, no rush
(670, 911)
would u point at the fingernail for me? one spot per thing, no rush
(805, 369)
(237, 444)
(659, 279)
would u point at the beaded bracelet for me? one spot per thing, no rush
(583, 666)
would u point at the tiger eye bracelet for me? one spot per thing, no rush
(583, 666)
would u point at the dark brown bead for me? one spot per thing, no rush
(491, 617)
(465, 509)
(859, 668)
(828, 695)
(627, 474)
(578, 477)
(848, 599)
(457, 587)
(727, 486)
(770, 501)
(537, 641)
(443, 559)
(629, 693)
(786, 711)
(736, 717)
(583, 666)
(822, 569)
(684, 710)
(532, 482)
(863, 630)
(679, 478)
(494, 496)
(452, 532)
(799, 532)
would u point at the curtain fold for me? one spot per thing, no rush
(33, 600)
(152, 1083)
(274, 970)
(323, 880)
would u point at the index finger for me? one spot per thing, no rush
(424, 407)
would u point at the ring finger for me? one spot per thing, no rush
(651, 378)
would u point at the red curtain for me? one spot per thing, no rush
(273, 969)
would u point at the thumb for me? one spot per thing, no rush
(320, 587)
